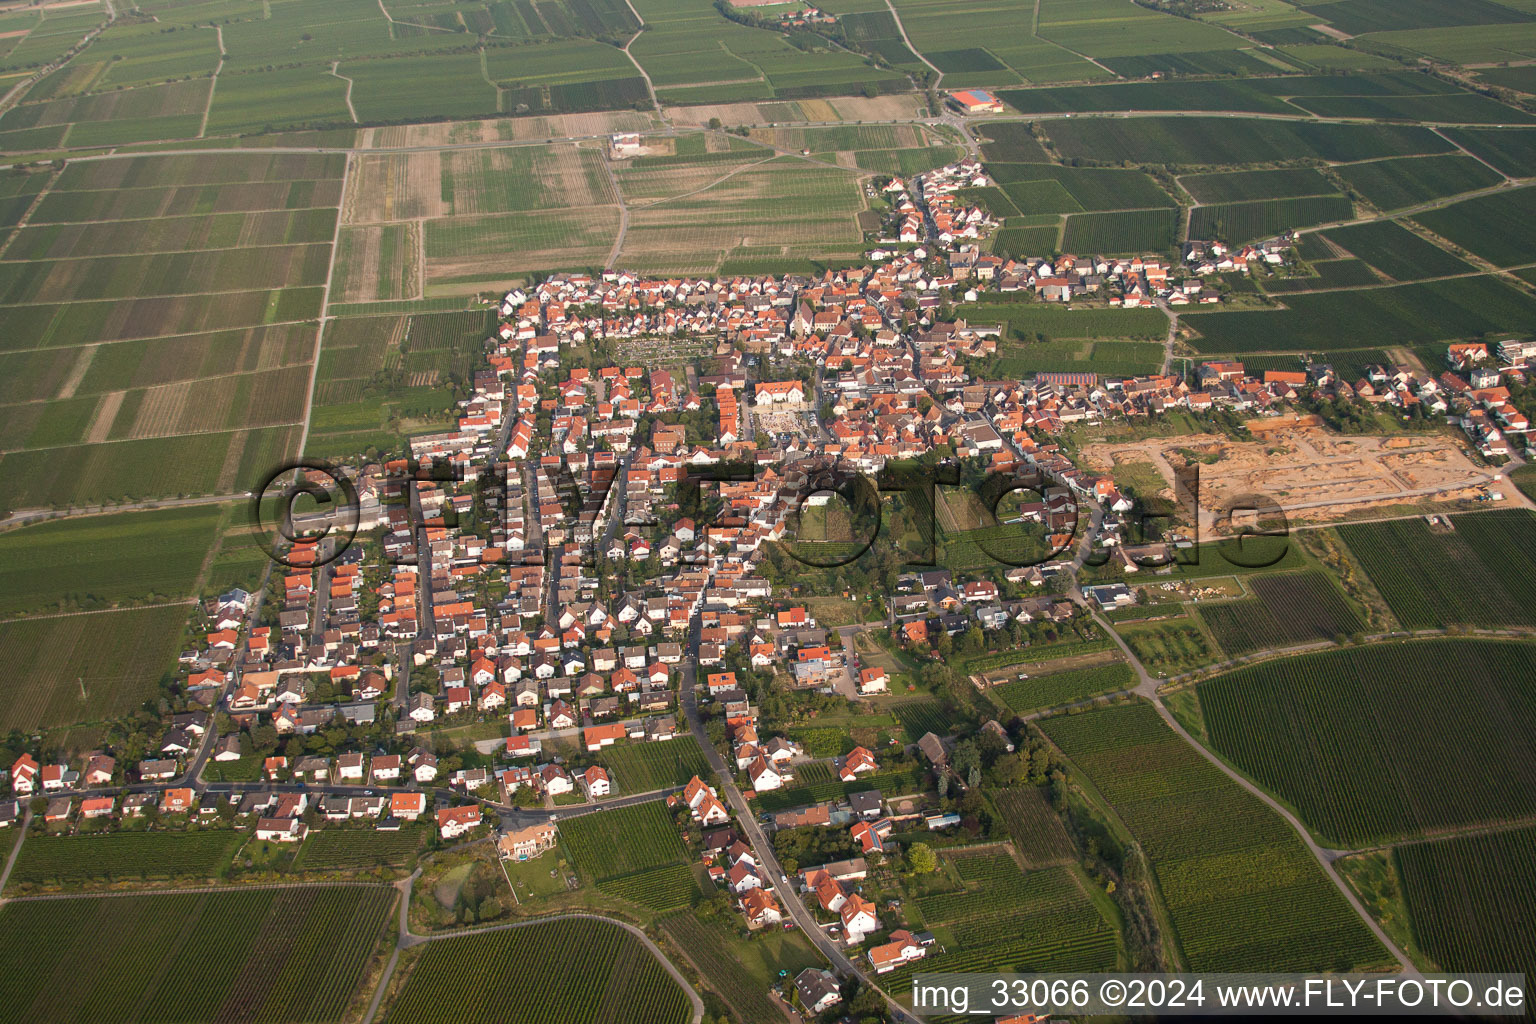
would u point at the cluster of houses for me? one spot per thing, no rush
(1475, 394)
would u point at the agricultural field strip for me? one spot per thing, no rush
(179, 380)
(669, 132)
(1144, 764)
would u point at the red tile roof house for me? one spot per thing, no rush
(760, 908)
(97, 806)
(903, 948)
(99, 770)
(455, 821)
(24, 775)
(407, 806)
(178, 801)
(858, 761)
(596, 782)
(859, 919)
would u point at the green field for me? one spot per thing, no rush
(1242, 891)
(1287, 608)
(1032, 320)
(689, 45)
(740, 972)
(1004, 919)
(1475, 575)
(1510, 150)
(1373, 318)
(1011, 142)
(1488, 226)
(96, 561)
(1172, 647)
(1131, 231)
(216, 257)
(125, 857)
(1463, 108)
(993, 44)
(815, 782)
(638, 767)
(1214, 141)
(1472, 900)
(1056, 688)
(1245, 186)
(1172, 95)
(381, 376)
(1104, 28)
(1035, 827)
(1405, 181)
(1109, 358)
(1339, 735)
(919, 717)
(141, 470)
(632, 852)
(581, 972)
(338, 849)
(116, 658)
(1049, 188)
(283, 954)
(302, 97)
(1251, 221)
(1396, 251)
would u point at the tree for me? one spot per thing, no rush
(922, 859)
(966, 757)
(714, 124)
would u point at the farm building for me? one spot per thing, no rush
(976, 101)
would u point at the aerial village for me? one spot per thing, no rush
(584, 566)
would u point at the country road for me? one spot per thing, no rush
(777, 879)
(406, 939)
(26, 516)
(1147, 689)
(94, 155)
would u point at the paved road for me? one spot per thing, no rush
(194, 773)
(10, 862)
(762, 848)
